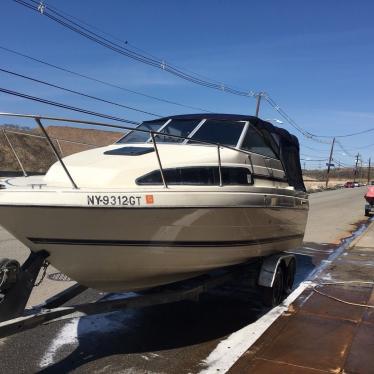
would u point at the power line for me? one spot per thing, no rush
(308, 134)
(91, 35)
(318, 160)
(362, 147)
(348, 135)
(77, 92)
(343, 149)
(125, 42)
(101, 81)
(66, 106)
(305, 155)
(56, 15)
(340, 163)
(313, 149)
(83, 31)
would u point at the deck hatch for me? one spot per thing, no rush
(130, 151)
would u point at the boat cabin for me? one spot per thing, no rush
(195, 149)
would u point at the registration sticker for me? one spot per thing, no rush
(149, 199)
(114, 200)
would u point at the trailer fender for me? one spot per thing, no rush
(269, 268)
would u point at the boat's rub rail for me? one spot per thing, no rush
(171, 190)
(165, 243)
(153, 199)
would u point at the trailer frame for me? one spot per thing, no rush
(14, 318)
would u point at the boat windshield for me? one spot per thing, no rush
(221, 132)
(181, 128)
(211, 131)
(141, 137)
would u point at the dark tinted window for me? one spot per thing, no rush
(222, 132)
(178, 128)
(205, 175)
(254, 142)
(141, 137)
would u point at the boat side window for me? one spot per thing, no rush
(222, 132)
(176, 127)
(254, 142)
(141, 137)
(203, 175)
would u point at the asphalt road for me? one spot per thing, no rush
(334, 213)
(174, 338)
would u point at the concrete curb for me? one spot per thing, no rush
(356, 240)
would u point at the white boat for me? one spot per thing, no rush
(177, 197)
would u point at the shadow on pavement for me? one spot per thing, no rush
(217, 314)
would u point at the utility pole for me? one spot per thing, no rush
(369, 170)
(355, 172)
(259, 95)
(329, 164)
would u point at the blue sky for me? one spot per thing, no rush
(315, 59)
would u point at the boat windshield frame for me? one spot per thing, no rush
(197, 127)
(199, 124)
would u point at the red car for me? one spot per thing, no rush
(349, 185)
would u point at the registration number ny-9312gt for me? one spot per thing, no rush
(113, 200)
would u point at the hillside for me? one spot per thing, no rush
(337, 173)
(35, 153)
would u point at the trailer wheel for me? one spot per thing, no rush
(367, 213)
(273, 296)
(289, 277)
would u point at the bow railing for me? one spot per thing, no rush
(59, 155)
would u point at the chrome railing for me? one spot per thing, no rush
(152, 134)
(14, 152)
(58, 141)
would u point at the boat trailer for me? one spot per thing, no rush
(369, 209)
(369, 197)
(272, 276)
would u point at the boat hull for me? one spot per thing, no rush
(119, 249)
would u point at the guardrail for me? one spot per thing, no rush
(152, 134)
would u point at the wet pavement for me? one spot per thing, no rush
(178, 338)
(333, 332)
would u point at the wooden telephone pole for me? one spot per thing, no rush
(369, 170)
(355, 173)
(329, 164)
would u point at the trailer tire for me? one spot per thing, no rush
(289, 277)
(273, 296)
(367, 213)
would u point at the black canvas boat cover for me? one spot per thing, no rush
(285, 145)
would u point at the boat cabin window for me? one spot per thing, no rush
(141, 137)
(222, 132)
(254, 142)
(176, 127)
(202, 175)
